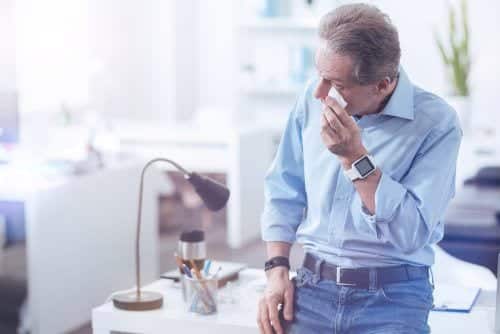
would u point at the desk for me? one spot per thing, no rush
(79, 240)
(240, 317)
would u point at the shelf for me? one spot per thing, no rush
(272, 91)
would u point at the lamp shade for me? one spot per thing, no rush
(214, 194)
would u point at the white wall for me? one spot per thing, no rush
(217, 63)
(121, 45)
(52, 59)
(7, 46)
(165, 59)
(148, 58)
(115, 56)
(163, 39)
(415, 21)
(186, 57)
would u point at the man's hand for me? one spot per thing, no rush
(279, 290)
(340, 133)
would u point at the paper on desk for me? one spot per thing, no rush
(227, 269)
(454, 298)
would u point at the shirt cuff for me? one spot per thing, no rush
(278, 228)
(388, 197)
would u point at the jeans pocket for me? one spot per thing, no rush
(305, 277)
(416, 293)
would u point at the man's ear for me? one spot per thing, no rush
(384, 86)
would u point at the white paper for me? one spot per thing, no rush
(454, 298)
(227, 269)
(333, 93)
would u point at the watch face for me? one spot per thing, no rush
(364, 166)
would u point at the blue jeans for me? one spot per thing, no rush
(321, 306)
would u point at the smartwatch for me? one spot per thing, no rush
(361, 168)
(277, 261)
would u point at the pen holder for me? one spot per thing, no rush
(200, 296)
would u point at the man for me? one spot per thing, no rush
(362, 188)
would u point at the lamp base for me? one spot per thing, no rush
(132, 302)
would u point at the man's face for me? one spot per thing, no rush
(336, 70)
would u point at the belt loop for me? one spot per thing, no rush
(372, 279)
(317, 270)
(432, 278)
(408, 276)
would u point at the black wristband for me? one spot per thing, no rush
(277, 261)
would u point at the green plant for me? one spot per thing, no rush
(456, 56)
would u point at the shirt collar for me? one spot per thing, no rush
(400, 103)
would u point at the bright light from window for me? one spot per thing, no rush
(52, 53)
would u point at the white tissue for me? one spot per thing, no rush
(333, 93)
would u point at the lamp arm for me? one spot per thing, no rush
(139, 215)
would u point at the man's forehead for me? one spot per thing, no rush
(333, 66)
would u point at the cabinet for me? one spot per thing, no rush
(275, 60)
(253, 66)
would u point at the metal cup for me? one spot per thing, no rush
(192, 247)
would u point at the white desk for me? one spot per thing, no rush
(79, 239)
(240, 317)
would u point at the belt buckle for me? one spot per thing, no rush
(338, 278)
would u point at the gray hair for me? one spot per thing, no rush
(365, 34)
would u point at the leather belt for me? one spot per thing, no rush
(360, 277)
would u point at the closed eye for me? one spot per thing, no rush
(331, 83)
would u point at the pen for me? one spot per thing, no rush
(195, 269)
(206, 268)
(178, 261)
(202, 282)
(186, 271)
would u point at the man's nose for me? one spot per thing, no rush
(321, 91)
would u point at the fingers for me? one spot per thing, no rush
(268, 316)
(340, 112)
(272, 307)
(288, 308)
(327, 129)
(333, 120)
(263, 318)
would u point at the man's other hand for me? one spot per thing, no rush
(279, 291)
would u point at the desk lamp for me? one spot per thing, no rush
(214, 196)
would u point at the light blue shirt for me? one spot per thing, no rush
(414, 141)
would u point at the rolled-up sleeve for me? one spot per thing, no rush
(285, 196)
(407, 212)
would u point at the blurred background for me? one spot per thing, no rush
(90, 90)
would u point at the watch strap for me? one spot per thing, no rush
(277, 261)
(352, 174)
